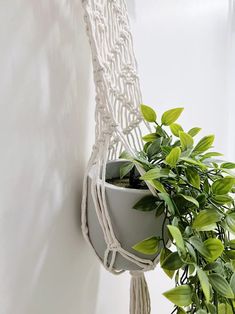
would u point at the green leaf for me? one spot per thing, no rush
(199, 246)
(148, 113)
(232, 282)
(154, 148)
(165, 197)
(204, 281)
(172, 262)
(211, 249)
(155, 173)
(220, 285)
(148, 246)
(222, 199)
(215, 248)
(175, 129)
(202, 199)
(166, 150)
(228, 165)
(164, 253)
(191, 251)
(206, 218)
(159, 131)
(230, 220)
(209, 155)
(231, 244)
(223, 186)
(181, 311)
(125, 169)
(211, 266)
(150, 137)
(186, 140)
(194, 131)
(225, 308)
(201, 311)
(190, 199)
(126, 155)
(193, 177)
(146, 146)
(170, 116)
(230, 254)
(204, 144)
(173, 157)
(157, 185)
(194, 162)
(160, 209)
(177, 236)
(206, 186)
(180, 296)
(211, 308)
(147, 203)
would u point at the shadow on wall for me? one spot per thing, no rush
(46, 267)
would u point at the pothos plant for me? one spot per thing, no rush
(194, 191)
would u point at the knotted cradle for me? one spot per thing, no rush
(118, 121)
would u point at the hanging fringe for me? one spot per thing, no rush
(139, 294)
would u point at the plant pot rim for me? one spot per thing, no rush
(115, 187)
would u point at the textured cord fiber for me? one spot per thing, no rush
(118, 119)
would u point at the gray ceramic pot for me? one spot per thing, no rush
(130, 226)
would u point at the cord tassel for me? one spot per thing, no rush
(139, 294)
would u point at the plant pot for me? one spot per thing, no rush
(130, 226)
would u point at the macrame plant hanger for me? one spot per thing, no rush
(118, 120)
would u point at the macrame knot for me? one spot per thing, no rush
(139, 294)
(136, 273)
(114, 246)
(121, 41)
(134, 124)
(114, 125)
(108, 132)
(126, 131)
(101, 26)
(100, 141)
(124, 34)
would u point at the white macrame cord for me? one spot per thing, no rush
(118, 119)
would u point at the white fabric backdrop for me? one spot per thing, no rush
(46, 118)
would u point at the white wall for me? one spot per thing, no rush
(182, 50)
(46, 118)
(231, 78)
(46, 102)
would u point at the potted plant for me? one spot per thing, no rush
(130, 226)
(192, 205)
(194, 191)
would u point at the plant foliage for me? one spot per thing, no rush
(195, 193)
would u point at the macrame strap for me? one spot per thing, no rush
(118, 119)
(139, 294)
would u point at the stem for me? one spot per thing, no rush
(131, 176)
(184, 276)
(216, 301)
(221, 211)
(231, 303)
(163, 225)
(175, 309)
